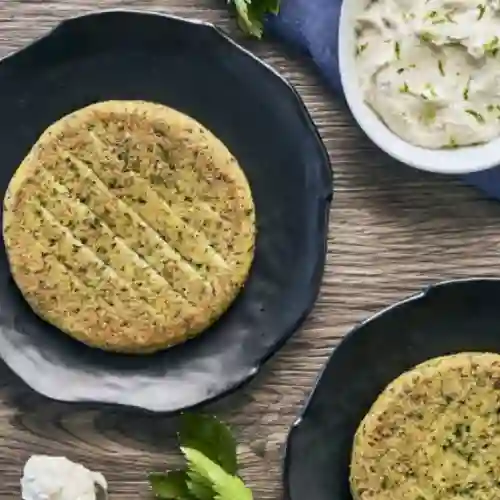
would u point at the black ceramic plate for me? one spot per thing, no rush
(193, 67)
(447, 318)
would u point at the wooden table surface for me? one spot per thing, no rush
(393, 230)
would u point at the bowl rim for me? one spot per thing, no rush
(462, 160)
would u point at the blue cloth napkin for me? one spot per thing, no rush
(311, 25)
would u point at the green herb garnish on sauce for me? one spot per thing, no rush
(481, 11)
(478, 116)
(426, 36)
(441, 67)
(361, 48)
(466, 90)
(492, 46)
(397, 50)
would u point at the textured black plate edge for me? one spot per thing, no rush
(287, 452)
(327, 172)
(324, 203)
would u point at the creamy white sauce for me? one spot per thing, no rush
(57, 478)
(430, 69)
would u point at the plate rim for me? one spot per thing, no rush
(193, 22)
(286, 461)
(324, 200)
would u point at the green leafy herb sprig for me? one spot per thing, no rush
(251, 14)
(211, 471)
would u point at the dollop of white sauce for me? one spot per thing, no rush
(430, 69)
(57, 478)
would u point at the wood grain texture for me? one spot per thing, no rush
(393, 231)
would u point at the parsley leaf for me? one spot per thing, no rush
(225, 486)
(199, 486)
(211, 469)
(211, 437)
(251, 14)
(170, 485)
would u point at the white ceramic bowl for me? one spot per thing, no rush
(445, 161)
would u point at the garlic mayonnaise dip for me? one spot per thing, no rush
(57, 478)
(430, 69)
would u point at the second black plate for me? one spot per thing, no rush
(190, 66)
(448, 318)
